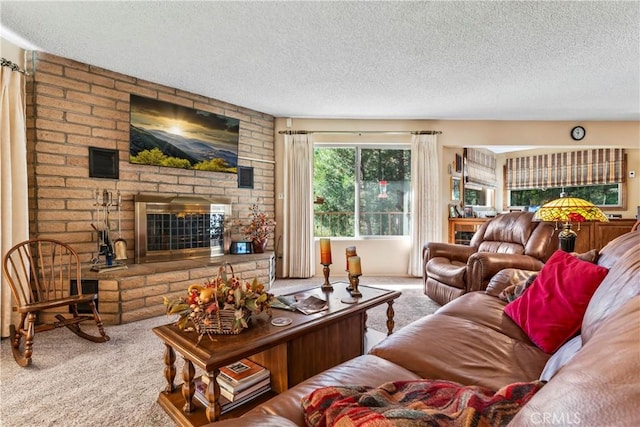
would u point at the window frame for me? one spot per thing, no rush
(602, 154)
(358, 146)
(622, 191)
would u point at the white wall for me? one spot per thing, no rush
(11, 52)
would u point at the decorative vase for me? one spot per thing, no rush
(259, 246)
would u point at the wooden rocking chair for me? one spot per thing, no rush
(45, 274)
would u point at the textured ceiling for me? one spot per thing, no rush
(424, 60)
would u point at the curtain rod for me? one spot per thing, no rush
(14, 67)
(256, 160)
(360, 132)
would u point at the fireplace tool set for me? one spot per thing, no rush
(113, 251)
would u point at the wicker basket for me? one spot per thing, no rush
(220, 322)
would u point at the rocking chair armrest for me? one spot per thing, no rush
(43, 305)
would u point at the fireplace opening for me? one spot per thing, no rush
(179, 228)
(88, 287)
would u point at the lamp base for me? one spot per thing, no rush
(567, 238)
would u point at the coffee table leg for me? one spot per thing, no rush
(366, 317)
(169, 368)
(390, 322)
(188, 387)
(213, 395)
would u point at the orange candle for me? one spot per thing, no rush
(325, 251)
(354, 266)
(350, 251)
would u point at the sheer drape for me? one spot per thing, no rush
(14, 215)
(426, 204)
(297, 260)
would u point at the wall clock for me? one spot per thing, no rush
(577, 133)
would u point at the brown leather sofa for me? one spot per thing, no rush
(511, 240)
(472, 341)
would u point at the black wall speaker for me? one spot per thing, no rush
(245, 177)
(103, 163)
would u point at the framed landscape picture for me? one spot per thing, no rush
(165, 134)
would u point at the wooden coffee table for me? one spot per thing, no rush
(293, 353)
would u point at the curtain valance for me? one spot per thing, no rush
(586, 167)
(480, 167)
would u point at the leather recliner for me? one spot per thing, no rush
(510, 240)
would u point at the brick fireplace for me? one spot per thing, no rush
(73, 106)
(136, 293)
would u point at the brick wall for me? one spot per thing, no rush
(128, 295)
(72, 106)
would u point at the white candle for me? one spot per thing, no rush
(354, 266)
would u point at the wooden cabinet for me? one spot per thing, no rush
(461, 230)
(591, 235)
(596, 235)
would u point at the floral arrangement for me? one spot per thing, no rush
(219, 298)
(260, 226)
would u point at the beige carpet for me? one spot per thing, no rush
(73, 382)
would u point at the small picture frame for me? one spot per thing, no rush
(468, 212)
(453, 212)
(458, 163)
(455, 188)
(103, 163)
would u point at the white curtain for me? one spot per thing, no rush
(14, 214)
(426, 205)
(298, 242)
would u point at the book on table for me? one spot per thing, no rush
(307, 305)
(311, 304)
(284, 302)
(226, 404)
(242, 374)
(252, 391)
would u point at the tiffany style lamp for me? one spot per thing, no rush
(567, 210)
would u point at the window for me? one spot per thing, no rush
(596, 175)
(608, 195)
(479, 176)
(361, 191)
(475, 197)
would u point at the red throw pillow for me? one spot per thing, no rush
(551, 310)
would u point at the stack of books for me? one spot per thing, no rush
(239, 382)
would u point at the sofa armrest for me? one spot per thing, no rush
(505, 278)
(454, 252)
(255, 420)
(482, 266)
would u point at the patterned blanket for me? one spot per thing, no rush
(416, 403)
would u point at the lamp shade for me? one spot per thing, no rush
(570, 209)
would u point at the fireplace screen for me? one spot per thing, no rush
(179, 228)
